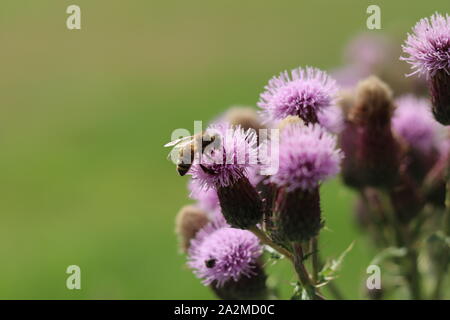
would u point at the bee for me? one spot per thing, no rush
(188, 147)
(210, 263)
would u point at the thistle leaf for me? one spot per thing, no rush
(273, 256)
(388, 253)
(331, 267)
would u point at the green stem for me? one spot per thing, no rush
(413, 275)
(377, 216)
(444, 260)
(262, 236)
(403, 238)
(331, 286)
(315, 259)
(303, 275)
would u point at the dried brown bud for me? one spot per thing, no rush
(346, 101)
(189, 221)
(347, 140)
(373, 103)
(374, 152)
(289, 121)
(246, 117)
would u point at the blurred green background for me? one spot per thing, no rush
(84, 115)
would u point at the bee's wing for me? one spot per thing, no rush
(177, 141)
(175, 151)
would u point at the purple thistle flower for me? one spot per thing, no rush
(428, 47)
(207, 198)
(332, 119)
(307, 157)
(368, 51)
(217, 222)
(221, 254)
(414, 122)
(223, 166)
(348, 76)
(226, 168)
(428, 50)
(305, 93)
(365, 54)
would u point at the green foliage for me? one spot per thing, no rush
(302, 293)
(389, 253)
(332, 267)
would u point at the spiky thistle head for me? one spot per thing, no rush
(307, 156)
(413, 121)
(225, 164)
(303, 93)
(427, 48)
(373, 105)
(221, 254)
(332, 119)
(428, 52)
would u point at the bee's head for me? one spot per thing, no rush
(212, 138)
(208, 137)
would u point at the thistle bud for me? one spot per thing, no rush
(252, 288)
(267, 193)
(308, 156)
(299, 217)
(373, 103)
(377, 155)
(439, 85)
(189, 221)
(241, 204)
(348, 143)
(346, 101)
(351, 174)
